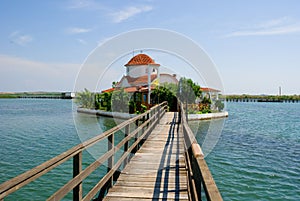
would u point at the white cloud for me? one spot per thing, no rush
(81, 41)
(274, 22)
(128, 12)
(79, 4)
(279, 26)
(266, 32)
(13, 34)
(77, 30)
(19, 38)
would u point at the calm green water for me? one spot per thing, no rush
(35, 130)
(258, 154)
(256, 158)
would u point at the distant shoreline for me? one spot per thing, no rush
(45, 95)
(262, 98)
(228, 98)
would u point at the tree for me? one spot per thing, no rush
(85, 99)
(114, 84)
(120, 101)
(104, 100)
(188, 91)
(219, 105)
(167, 92)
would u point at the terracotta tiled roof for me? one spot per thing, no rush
(145, 89)
(131, 89)
(141, 59)
(108, 90)
(142, 80)
(127, 89)
(206, 89)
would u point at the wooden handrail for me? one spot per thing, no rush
(152, 118)
(198, 171)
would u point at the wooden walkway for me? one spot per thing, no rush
(158, 170)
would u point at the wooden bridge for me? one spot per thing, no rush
(161, 161)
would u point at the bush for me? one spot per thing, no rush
(120, 101)
(143, 108)
(85, 99)
(132, 107)
(220, 105)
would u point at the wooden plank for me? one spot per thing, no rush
(142, 194)
(150, 189)
(154, 166)
(115, 198)
(159, 150)
(157, 170)
(155, 160)
(142, 178)
(145, 163)
(171, 183)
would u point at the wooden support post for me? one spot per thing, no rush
(148, 116)
(110, 163)
(186, 112)
(148, 124)
(127, 130)
(77, 167)
(143, 130)
(151, 115)
(136, 136)
(159, 108)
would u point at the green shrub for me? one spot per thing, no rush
(220, 105)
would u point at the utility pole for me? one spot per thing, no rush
(279, 90)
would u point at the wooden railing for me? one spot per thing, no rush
(199, 175)
(143, 125)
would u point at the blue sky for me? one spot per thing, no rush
(254, 44)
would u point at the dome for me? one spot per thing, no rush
(141, 59)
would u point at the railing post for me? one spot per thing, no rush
(186, 112)
(127, 130)
(148, 116)
(143, 130)
(151, 115)
(110, 163)
(159, 108)
(77, 167)
(134, 150)
(148, 124)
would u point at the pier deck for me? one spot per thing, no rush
(158, 170)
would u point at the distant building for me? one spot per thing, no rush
(210, 93)
(142, 76)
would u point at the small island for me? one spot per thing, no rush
(144, 86)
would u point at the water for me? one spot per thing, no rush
(258, 154)
(33, 131)
(256, 158)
